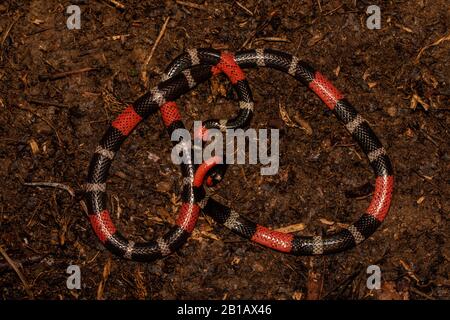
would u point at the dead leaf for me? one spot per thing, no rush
(152, 156)
(101, 286)
(415, 100)
(297, 295)
(366, 74)
(337, 70)
(141, 289)
(235, 261)
(315, 39)
(303, 124)
(409, 133)
(420, 200)
(285, 116)
(292, 228)
(327, 222)
(38, 21)
(34, 146)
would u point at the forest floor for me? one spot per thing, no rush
(397, 77)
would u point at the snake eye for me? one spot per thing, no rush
(213, 179)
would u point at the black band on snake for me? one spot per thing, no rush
(355, 125)
(178, 81)
(160, 97)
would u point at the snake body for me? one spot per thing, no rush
(160, 98)
(203, 63)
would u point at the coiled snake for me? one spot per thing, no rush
(185, 72)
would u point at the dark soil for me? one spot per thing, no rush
(49, 129)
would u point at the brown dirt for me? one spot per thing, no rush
(46, 230)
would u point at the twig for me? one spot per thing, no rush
(409, 270)
(116, 4)
(8, 30)
(341, 286)
(106, 272)
(333, 10)
(52, 185)
(437, 42)
(430, 138)
(244, 8)
(152, 51)
(422, 294)
(259, 28)
(26, 261)
(39, 31)
(272, 39)
(45, 120)
(320, 6)
(243, 174)
(191, 5)
(19, 273)
(60, 75)
(285, 116)
(48, 103)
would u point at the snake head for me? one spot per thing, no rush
(213, 179)
(215, 175)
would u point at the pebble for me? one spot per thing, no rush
(392, 111)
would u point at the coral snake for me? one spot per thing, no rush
(188, 70)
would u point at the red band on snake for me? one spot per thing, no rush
(354, 123)
(160, 97)
(179, 79)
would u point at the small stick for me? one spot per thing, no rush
(52, 185)
(437, 42)
(243, 174)
(116, 4)
(19, 273)
(101, 285)
(152, 51)
(259, 28)
(60, 75)
(333, 10)
(26, 261)
(272, 39)
(428, 137)
(320, 6)
(45, 120)
(39, 31)
(48, 103)
(422, 294)
(191, 5)
(8, 30)
(244, 8)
